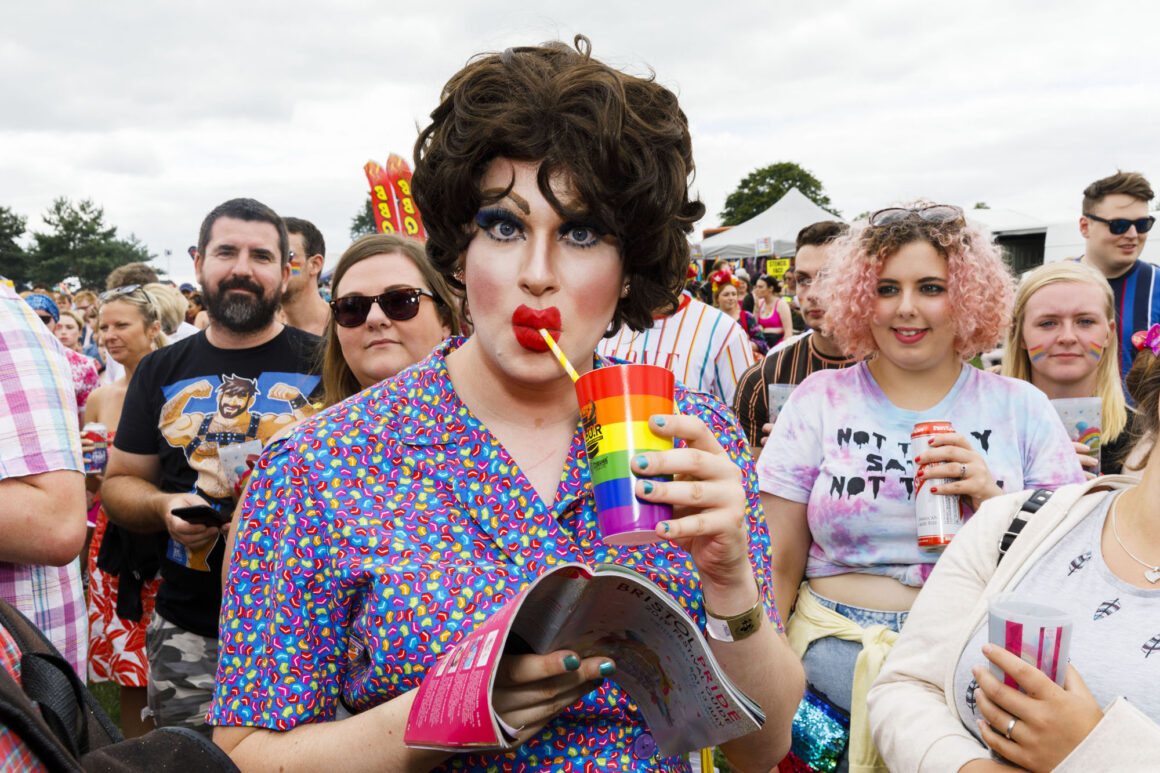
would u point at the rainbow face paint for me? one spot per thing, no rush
(1037, 353)
(295, 269)
(1095, 349)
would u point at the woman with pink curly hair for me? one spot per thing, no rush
(917, 292)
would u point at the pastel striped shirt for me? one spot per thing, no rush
(702, 345)
(38, 434)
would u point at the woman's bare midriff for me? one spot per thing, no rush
(870, 591)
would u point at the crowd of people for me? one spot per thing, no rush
(301, 479)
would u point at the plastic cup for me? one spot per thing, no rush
(1038, 633)
(778, 395)
(615, 405)
(1081, 416)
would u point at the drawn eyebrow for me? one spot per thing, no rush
(518, 200)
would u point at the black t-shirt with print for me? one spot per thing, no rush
(184, 403)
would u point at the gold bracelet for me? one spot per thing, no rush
(735, 627)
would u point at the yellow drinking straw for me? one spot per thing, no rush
(559, 354)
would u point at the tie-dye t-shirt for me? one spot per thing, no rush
(384, 529)
(843, 448)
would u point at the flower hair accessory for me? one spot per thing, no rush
(1149, 338)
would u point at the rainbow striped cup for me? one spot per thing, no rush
(615, 405)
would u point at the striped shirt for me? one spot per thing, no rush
(1137, 306)
(706, 349)
(38, 434)
(786, 365)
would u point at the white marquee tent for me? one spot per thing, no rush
(780, 223)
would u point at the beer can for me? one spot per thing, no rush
(98, 456)
(936, 516)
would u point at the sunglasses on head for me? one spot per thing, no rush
(1121, 225)
(124, 290)
(46, 318)
(399, 305)
(935, 213)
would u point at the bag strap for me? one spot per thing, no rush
(67, 707)
(1030, 506)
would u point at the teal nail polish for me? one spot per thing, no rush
(660, 420)
(571, 662)
(607, 668)
(641, 461)
(648, 487)
(665, 525)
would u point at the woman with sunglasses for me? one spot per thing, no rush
(1063, 340)
(918, 292)
(555, 191)
(129, 327)
(390, 308)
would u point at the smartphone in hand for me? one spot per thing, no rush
(203, 514)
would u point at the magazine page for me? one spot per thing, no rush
(662, 660)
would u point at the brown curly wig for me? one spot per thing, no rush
(621, 141)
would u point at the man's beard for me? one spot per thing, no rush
(240, 313)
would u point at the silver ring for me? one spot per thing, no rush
(1010, 727)
(963, 472)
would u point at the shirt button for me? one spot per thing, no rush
(644, 747)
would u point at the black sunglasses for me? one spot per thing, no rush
(399, 305)
(935, 213)
(1121, 225)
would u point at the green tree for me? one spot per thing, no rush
(363, 223)
(762, 188)
(982, 205)
(13, 258)
(80, 244)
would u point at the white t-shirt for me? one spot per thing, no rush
(1115, 637)
(843, 448)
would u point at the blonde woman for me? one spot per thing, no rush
(130, 328)
(1063, 340)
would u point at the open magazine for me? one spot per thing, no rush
(662, 661)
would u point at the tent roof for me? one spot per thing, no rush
(781, 223)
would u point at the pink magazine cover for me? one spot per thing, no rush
(453, 705)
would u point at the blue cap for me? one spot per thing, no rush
(42, 302)
(186, 287)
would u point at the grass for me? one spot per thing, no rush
(108, 694)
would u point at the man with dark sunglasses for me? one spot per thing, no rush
(1115, 224)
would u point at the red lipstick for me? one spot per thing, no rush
(526, 324)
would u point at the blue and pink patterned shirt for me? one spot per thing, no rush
(386, 528)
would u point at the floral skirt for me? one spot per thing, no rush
(116, 646)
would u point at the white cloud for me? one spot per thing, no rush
(160, 111)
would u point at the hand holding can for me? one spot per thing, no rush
(95, 447)
(937, 516)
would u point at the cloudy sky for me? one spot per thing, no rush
(159, 111)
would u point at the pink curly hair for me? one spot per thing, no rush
(980, 287)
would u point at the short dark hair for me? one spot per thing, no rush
(820, 233)
(244, 209)
(130, 274)
(238, 386)
(1128, 183)
(311, 237)
(621, 141)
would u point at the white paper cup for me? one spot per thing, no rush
(1081, 417)
(778, 395)
(1038, 633)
